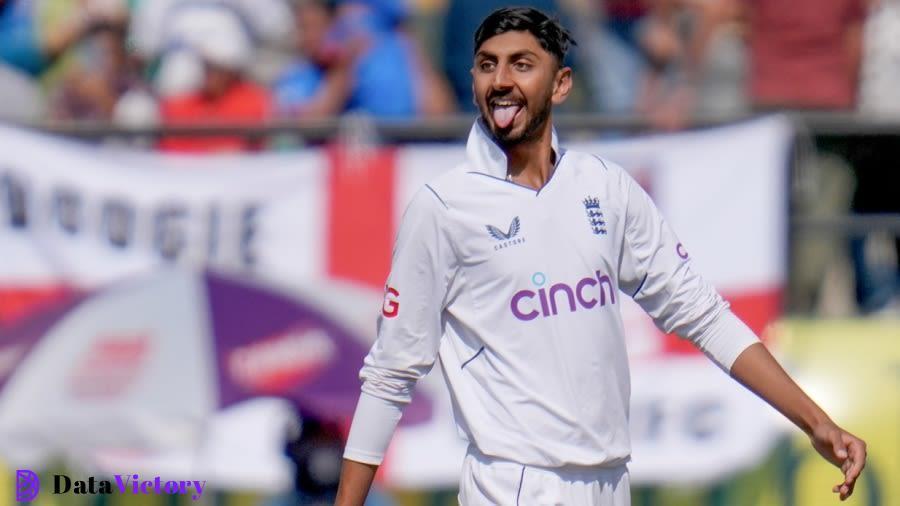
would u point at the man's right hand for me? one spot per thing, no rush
(356, 479)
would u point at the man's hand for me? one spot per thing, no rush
(756, 369)
(842, 449)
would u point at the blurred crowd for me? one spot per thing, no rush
(146, 63)
(151, 62)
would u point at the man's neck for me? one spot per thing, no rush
(531, 164)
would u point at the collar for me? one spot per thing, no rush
(488, 158)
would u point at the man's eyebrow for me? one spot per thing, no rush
(520, 54)
(514, 56)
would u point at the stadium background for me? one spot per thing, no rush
(766, 132)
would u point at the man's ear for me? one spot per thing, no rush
(562, 85)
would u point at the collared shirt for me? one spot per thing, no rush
(517, 292)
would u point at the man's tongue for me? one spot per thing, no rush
(504, 115)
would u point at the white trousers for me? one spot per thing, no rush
(487, 481)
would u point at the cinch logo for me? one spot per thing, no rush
(27, 485)
(588, 292)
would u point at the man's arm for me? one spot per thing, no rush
(656, 269)
(757, 369)
(356, 480)
(409, 336)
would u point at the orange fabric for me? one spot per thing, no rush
(243, 103)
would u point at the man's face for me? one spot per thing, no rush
(515, 83)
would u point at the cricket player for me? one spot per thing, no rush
(509, 269)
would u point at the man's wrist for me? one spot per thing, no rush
(813, 420)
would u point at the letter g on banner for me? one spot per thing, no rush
(27, 485)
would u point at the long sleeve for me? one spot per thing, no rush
(409, 326)
(656, 271)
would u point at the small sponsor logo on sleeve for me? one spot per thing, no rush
(391, 306)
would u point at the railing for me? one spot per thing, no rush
(456, 126)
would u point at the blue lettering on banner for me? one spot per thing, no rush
(175, 231)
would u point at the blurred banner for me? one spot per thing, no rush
(852, 369)
(75, 217)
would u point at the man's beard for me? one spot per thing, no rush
(531, 131)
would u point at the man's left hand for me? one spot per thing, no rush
(842, 449)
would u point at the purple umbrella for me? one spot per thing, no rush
(144, 363)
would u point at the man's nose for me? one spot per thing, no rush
(502, 79)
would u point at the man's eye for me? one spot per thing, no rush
(522, 66)
(486, 66)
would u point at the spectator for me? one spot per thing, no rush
(318, 83)
(32, 36)
(805, 54)
(20, 44)
(697, 62)
(157, 27)
(102, 72)
(391, 76)
(357, 57)
(876, 257)
(880, 77)
(226, 94)
(609, 49)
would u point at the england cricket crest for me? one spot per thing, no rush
(595, 215)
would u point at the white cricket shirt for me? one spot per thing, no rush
(517, 292)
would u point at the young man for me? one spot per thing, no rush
(508, 269)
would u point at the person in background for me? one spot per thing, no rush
(32, 45)
(391, 76)
(99, 74)
(358, 57)
(610, 52)
(805, 55)
(317, 84)
(226, 95)
(156, 27)
(876, 257)
(697, 62)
